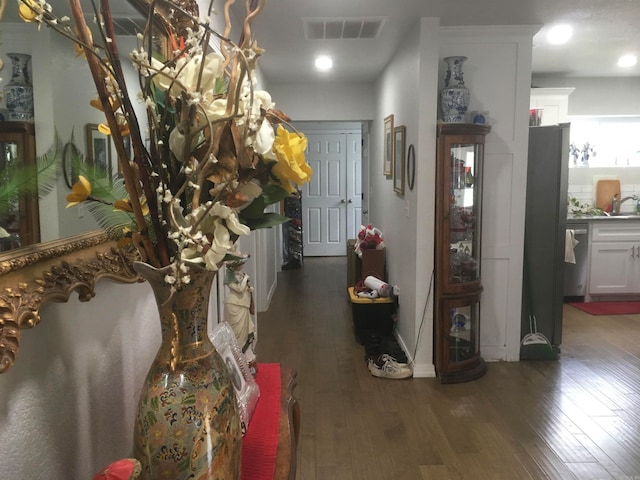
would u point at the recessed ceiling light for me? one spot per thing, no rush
(560, 34)
(324, 63)
(626, 61)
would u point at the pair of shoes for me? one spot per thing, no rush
(385, 366)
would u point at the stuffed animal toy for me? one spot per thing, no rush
(369, 237)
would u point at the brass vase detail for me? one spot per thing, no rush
(187, 426)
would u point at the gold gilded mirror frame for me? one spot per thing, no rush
(50, 272)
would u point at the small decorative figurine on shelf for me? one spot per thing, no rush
(238, 308)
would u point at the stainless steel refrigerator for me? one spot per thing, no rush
(545, 225)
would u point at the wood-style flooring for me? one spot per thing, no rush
(575, 418)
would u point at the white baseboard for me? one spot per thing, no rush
(494, 354)
(419, 370)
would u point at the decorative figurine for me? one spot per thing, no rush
(238, 308)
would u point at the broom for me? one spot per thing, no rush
(534, 345)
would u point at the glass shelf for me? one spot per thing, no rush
(458, 252)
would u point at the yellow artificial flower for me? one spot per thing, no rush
(79, 192)
(125, 205)
(127, 237)
(97, 103)
(79, 49)
(289, 149)
(29, 10)
(105, 130)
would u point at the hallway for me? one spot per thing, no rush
(577, 418)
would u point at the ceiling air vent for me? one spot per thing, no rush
(342, 28)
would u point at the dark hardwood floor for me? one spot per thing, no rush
(575, 418)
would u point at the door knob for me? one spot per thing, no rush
(343, 201)
(349, 201)
(365, 212)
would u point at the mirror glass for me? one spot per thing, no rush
(62, 90)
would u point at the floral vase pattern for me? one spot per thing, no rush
(454, 97)
(19, 90)
(187, 426)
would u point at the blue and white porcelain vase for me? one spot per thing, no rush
(19, 90)
(454, 97)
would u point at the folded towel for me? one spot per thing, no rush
(569, 244)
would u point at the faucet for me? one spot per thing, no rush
(615, 203)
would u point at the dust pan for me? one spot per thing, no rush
(534, 345)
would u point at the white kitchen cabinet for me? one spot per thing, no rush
(554, 103)
(615, 258)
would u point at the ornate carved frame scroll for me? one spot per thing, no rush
(34, 275)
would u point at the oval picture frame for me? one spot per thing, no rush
(411, 166)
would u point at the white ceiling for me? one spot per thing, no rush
(603, 30)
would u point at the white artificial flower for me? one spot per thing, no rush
(187, 72)
(216, 109)
(264, 138)
(225, 212)
(176, 144)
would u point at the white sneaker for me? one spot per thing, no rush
(387, 367)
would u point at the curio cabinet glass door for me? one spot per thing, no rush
(19, 218)
(458, 283)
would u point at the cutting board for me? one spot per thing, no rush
(605, 190)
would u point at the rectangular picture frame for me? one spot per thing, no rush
(387, 167)
(246, 389)
(98, 151)
(399, 139)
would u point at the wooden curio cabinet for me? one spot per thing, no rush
(20, 218)
(458, 285)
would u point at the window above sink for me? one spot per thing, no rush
(606, 141)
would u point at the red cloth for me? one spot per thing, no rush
(608, 308)
(260, 443)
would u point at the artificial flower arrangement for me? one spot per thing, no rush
(211, 162)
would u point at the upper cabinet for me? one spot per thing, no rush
(553, 103)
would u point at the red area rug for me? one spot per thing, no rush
(608, 308)
(260, 443)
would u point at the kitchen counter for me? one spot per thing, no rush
(602, 218)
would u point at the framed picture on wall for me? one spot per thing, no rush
(399, 134)
(98, 151)
(388, 146)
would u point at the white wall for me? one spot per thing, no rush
(407, 222)
(498, 73)
(68, 403)
(325, 101)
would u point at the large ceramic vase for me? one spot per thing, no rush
(454, 97)
(19, 90)
(187, 426)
